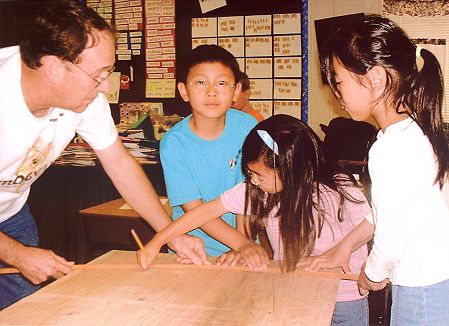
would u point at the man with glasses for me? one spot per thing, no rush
(51, 87)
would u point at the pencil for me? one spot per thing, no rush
(139, 243)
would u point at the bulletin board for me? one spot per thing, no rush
(153, 37)
(268, 49)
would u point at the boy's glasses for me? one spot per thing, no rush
(97, 80)
(201, 86)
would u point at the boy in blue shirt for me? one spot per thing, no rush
(201, 154)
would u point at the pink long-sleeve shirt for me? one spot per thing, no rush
(332, 232)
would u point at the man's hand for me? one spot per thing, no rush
(37, 265)
(189, 250)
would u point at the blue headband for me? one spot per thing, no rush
(269, 141)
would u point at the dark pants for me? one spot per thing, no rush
(21, 227)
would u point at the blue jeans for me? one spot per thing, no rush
(351, 313)
(426, 305)
(22, 228)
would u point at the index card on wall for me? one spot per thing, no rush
(258, 46)
(204, 27)
(292, 108)
(230, 26)
(114, 89)
(160, 88)
(241, 62)
(264, 107)
(209, 5)
(258, 25)
(287, 45)
(235, 45)
(287, 67)
(287, 88)
(201, 41)
(287, 23)
(261, 88)
(259, 67)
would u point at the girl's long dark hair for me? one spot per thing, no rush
(376, 41)
(302, 170)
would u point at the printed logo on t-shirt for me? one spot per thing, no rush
(32, 166)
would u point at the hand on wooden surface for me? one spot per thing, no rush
(38, 265)
(148, 254)
(190, 250)
(338, 256)
(254, 255)
(230, 258)
(365, 284)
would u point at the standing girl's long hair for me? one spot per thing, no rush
(301, 168)
(414, 76)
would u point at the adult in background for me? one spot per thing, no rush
(242, 101)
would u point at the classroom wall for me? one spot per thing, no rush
(322, 104)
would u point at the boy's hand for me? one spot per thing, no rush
(231, 258)
(254, 255)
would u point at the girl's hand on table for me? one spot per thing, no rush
(231, 258)
(338, 256)
(254, 255)
(149, 253)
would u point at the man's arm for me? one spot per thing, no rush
(36, 264)
(134, 186)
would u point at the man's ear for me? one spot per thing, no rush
(183, 91)
(377, 77)
(237, 90)
(53, 68)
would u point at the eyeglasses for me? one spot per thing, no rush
(201, 86)
(97, 80)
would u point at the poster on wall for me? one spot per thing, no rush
(160, 53)
(268, 49)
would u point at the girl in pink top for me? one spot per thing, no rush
(305, 205)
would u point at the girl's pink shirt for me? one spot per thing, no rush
(332, 232)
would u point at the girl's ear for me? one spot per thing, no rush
(183, 91)
(377, 77)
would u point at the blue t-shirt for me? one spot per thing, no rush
(195, 168)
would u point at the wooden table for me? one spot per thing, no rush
(174, 294)
(108, 227)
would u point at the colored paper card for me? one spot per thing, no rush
(209, 5)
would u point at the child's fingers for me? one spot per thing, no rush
(256, 258)
(228, 259)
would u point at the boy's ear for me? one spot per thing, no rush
(183, 91)
(53, 68)
(378, 77)
(237, 90)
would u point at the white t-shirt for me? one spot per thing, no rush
(29, 145)
(411, 239)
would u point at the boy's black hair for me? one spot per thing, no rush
(209, 53)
